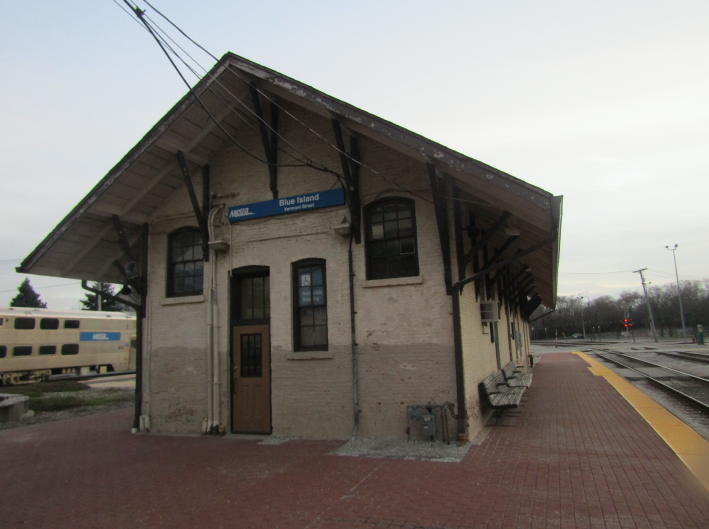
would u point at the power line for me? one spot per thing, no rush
(321, 137)
(41, 288)
(595, 273)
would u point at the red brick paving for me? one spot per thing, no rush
(578, 456)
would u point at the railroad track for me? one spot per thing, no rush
(685, 385)
(686, 355)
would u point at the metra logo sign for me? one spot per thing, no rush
(100, 336)
(237, 213)
(279, 206)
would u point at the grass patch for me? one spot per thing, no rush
(68, 394)
(38, 389)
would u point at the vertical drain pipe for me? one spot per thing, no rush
(210, 324)
(214, 323)
(355, 388)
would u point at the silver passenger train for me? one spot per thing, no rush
(37, 343)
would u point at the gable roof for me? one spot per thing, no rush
(84, 244)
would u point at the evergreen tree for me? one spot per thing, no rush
(107, 305)
(27, 297)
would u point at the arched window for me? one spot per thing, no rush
(390, 231)
(310, 305)
(185, 274)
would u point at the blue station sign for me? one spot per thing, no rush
(279, 206)
(100, 336)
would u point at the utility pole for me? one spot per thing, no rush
(583, 323)
(679, 291)
(647, 301)
(99, 298)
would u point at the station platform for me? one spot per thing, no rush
(579, 455)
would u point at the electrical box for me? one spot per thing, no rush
(489, 311)
(428, 424)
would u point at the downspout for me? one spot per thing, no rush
(213, 340)
(210, 408)
(355, 389)
(458, 335)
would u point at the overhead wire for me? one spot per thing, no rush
(285, 111)
(153, 27)
(259, 91)
(139, 14)
(163, 45)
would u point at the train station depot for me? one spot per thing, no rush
(302, 268)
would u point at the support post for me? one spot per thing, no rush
(139, 326)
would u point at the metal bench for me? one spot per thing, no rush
(514, 378)
(499, 395)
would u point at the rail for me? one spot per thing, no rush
(703, 405)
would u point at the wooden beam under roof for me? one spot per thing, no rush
(126, 210)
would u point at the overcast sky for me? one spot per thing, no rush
(604, 102)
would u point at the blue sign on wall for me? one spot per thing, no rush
(279, 206)
(100, 336)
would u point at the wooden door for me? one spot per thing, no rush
(251, 371)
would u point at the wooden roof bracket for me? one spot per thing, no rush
(504, 217)
(199, 213)
(350, 170)
(127, 251)
(270, 146)
(441, 210)
(458, 234)
(85, 286)
(473, 232)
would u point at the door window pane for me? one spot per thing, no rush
(251, 356)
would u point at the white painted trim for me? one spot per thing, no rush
(182, 299)
(309, 355)
(393, 282)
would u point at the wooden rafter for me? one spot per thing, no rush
(270, 145)
(350, 171)
(442, 222)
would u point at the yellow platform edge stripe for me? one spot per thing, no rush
(691, 448)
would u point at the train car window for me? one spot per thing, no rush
(24, 323)
(47, 350)
(22, 350)
(3, 351)
(72, 324)
(49, 324)
(70, 349)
